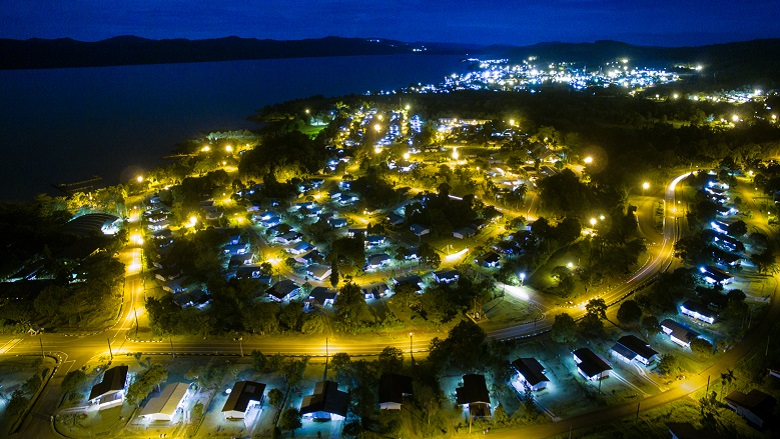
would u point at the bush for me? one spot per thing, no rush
(702, 348)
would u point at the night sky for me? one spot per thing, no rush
(517, 22)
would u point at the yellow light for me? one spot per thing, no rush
(206, 148)
(774, 117)
(456, 256)
(592, 222)
(570, 265)
(455, 154)
(735, 118)
(511, 122)
(406, 156)
(378, 127)
(307, 111)
(377, 150)
(137, 239)
(380, 117)
(646, 185)
(229, 148)
(408, 107)
(240, 219)
(193, 221)
(675, 96)
(139, 179)
(588, 160)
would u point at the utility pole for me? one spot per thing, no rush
(109, 348)
(327, 352)
(136, 322)
(241, 345)
(40, 339)
(707, 392)
(637, 411)
(173, 353)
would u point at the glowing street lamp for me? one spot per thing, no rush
(406, 156)
(588, 160)
(735, 118)
(593, 222)
(193, 221)
(206, 148)
(601, 217)
(139, 179)
(455, 154)
(645, 186)
(229, 148)
(522, 279)
(377, 127)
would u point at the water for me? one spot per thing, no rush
(64, 125)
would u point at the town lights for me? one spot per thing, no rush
(206, 148)
(139, 179)
(377, 127)
(406, 156)
(229, 148)
(455, 154)
(588, 160)
(645, 185)
(193, 221)
(735, 118)
(593, 222)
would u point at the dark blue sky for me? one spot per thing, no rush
(519, 22)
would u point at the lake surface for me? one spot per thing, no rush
(65, 125)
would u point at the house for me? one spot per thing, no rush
(272, 221)
(326, 403)
(254, 206)
(590, 365)
(392, 390)
(301, 248)
(464, 232)
(491, 260)
(377, 261)
(176, 285)
(697, 311)
(337, 223)
(320, 297)
(374, 291)
(241, 248)
(630, 347)
(234, 239)
(715, 275)
(248, 271)
(110, 391)
(474, 396)
(356, 231)
(266, 215)
(165, 405)
(756, 407)
(414, 281)
(318, 271)
(374, 240)
(289, 237)
(243, 396)
(446, 276)
(531, 372)
(197, 298)
(678, 333)
(395, 219)
(168, 273)
(283, 291)
(419, 230)
(312, 257)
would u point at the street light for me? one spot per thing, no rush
(406, 156)
(455, 154)
(645, 186)
(588, 160)
(229, 148)
(139, 179)
(411, 339)
(593, 222)
(522, 279)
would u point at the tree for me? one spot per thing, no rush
(290, 419)
(144, 383)
(73, 381)
(275, 397)
(564, 329)
(651, 326)
(670, 364)
(701, 347)
(597, 307)
(629, 313)
(390, 360)
(765, 261)
(591, 326)
(259, 361)
(737, 229)
(499, 416)
(351, 309)
(334, 272)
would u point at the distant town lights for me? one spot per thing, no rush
(206, 148)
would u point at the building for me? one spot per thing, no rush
(419, 230)
(464, 232)
(337, 223)
(686, 430)
(378, 261)
(630, 347)
(243, 396)
(531, 372)
(374, 291)
(283, 291)
(301, 248)
(318, 271)
(394, 219)
(714, 275)
(491, 260)
(374, 240)
(697, 311)
(326, 403)
(393, 389)
(165, 405)
(756, 407)
(446, 276)
(110, 391)
(320, 297)
(413, 280)
(590, 365)
(474, 396)
(678, 333)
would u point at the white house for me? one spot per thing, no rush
(243, 396)
(164, 406)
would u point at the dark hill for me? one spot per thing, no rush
(127, 50)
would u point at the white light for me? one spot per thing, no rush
(588, 160)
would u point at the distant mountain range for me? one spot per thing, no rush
(753, 61)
